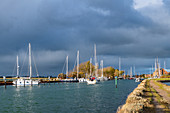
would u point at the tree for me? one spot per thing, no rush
(84, 68)
(62, 75)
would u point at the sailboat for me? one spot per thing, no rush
(93, 80)
(66, 80)
(102, 78)
(22, 81)
(81, 80)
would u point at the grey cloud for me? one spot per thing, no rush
(57, 28)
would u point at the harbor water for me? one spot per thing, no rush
(167, 83)
(66, 97)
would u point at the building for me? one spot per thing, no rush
(162, 72)
(148, 75)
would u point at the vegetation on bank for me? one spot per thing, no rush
(139, 101)
(144, 99)
(84, 71)
(165, 76)
(163, 86)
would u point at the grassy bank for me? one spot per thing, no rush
(146, 99)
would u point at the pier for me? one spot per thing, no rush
(9, 81)
(6, 83)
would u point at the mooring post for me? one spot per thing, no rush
(116, 81)
(16, 83)
(31, 82)
(24, 82)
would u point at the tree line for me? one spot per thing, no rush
(84, 71)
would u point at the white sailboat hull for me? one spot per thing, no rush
(137, 80)
(91, 82)
(82, 80)
(22, 82)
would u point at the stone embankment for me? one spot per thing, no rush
(144, 99)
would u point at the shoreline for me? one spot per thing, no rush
(151, 96)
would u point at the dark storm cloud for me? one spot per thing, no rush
(57, 28)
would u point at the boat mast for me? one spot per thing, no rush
(131, 72)
(119, 66)
(90, 66)
(17, 67)
(77, 63)
(155, 66)
(95, 59)
(66, 66)
(134, 70)
(158, 66)
(101, 64)
(30, 60)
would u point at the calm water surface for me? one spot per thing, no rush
(66, 97)
(167, 83)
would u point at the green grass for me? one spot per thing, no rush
(159, 79)
(159, 99)
(162, 86)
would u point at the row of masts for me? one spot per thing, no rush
(157, 64)
(78, 62)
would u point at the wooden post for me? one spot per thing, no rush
(31, 82)
(16, 83)
(24, 83)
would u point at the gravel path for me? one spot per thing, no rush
(161, 92)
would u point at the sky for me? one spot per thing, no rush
(134, 30)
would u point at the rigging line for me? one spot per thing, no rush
(14, 68)
(74, 65)
(35, 64)
(24, 62)
(64, 66)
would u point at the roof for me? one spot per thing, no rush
(168, 70)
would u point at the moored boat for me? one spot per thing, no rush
(137, 80)
(92, 80)
(22, 81)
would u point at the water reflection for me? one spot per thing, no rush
(70, 97)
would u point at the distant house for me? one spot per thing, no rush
(148, 75)
(162, 72)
